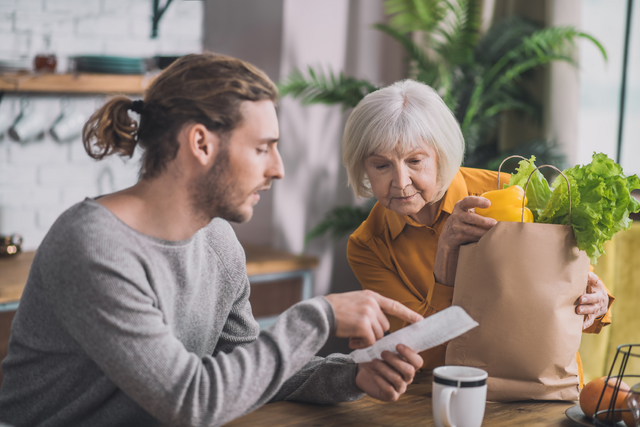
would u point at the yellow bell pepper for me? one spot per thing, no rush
(506, 205)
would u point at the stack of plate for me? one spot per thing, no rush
(15, 64)
(109, 64)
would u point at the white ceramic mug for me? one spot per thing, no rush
(29, 124)
(459, 395)
(69, 123)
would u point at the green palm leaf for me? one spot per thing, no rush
(514, 97)
(415, 15)
(502, 37)
(321, 88)
(508, 105)
(460, 34)
(541, 47)
(341, 221)
(426, 70)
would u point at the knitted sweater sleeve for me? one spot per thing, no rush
(321, 380)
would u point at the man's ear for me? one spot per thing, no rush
(203, 144)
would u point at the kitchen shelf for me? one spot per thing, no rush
(76, 83)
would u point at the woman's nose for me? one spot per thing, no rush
(402, 178)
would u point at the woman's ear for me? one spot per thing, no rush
(202, 143)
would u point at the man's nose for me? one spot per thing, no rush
(276, 167)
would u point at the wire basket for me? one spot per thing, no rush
(623, 354)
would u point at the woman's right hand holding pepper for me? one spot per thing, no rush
(462, 227)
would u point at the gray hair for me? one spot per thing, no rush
(409, 114)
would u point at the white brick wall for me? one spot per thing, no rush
(78, 27)
(40, 179)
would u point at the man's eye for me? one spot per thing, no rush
(262, 150)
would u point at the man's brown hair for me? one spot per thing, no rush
(204, 88)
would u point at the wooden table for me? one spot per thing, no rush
(412, 409)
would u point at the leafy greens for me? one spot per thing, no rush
(601, 200)
(538, 191)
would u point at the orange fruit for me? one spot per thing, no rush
(591, 392)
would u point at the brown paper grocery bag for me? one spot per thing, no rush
(521, 282)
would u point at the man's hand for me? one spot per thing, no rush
(387, 379)
(360, 316)
(594, 302)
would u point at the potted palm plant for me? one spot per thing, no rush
(479, 76)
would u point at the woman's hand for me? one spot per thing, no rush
(387, 379)
(594, 302)
(360, 316)
(462, 227)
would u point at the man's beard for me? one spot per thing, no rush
(216, 194)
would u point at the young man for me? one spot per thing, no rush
(136, 309)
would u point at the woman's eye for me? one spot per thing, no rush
(262, 150)
(381, 167)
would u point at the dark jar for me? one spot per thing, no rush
(45, 63)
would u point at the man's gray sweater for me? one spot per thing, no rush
(119, 328)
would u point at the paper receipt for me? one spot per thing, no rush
(425, 334)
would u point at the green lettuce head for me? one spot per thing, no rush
(601, 202)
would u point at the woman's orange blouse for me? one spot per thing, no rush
(394, 255)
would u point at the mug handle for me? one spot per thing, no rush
(445, 405)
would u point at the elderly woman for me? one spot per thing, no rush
(402, 145)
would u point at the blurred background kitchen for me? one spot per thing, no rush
(59, 59)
